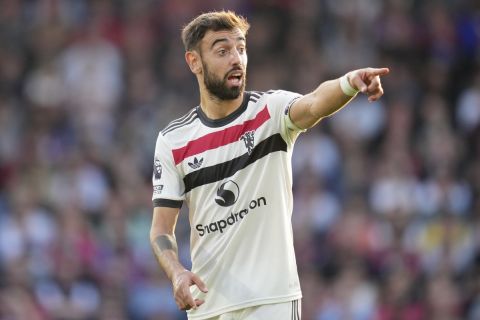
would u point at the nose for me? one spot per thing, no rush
(235, 57)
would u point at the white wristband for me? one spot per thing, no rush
(347, 89)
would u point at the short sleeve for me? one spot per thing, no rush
(280, 102)
(167, 183)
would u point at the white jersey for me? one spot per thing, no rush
(235, 176)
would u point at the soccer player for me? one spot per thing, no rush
(228, 159)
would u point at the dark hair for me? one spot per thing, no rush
(195, 30)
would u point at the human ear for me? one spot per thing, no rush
(194, 61)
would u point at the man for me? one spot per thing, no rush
(229, 160)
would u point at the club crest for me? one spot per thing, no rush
(249, 139)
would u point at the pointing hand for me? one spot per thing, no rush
(368, 82)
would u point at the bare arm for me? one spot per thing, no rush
(329, 97)
(164, 244)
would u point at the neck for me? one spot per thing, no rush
(215, 108)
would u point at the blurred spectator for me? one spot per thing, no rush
(468, 109)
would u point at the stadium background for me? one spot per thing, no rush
(387, 206)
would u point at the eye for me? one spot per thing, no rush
(222, 52)
(242, 50)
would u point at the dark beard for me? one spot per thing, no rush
(218, 87)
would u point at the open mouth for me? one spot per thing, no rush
(235, 78)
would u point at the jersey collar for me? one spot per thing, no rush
(215, 123)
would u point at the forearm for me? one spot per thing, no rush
(166, 252)
(162, 239)
(327, 99)
(324, 101)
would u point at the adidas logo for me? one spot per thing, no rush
(196, 163)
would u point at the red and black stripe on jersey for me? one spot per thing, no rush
(227, 169)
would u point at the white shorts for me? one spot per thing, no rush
(279, 311)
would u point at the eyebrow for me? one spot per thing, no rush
(241, 38)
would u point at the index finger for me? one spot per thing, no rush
(199, 283)
(378, 71)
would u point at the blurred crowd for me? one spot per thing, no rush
(387, 194)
